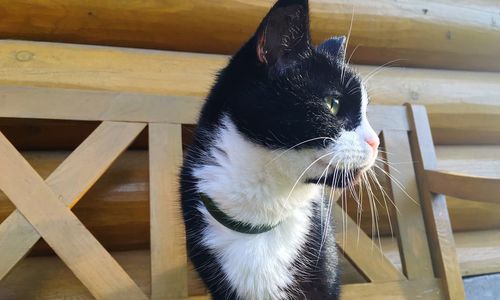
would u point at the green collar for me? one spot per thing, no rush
(231, 223)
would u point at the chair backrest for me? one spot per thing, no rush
(429, 265)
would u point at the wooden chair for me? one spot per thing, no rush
(430, 269)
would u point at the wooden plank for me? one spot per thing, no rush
(466, 123)
(66, 104)
(430, 34)
(49, 103)
(464, 186)
(362, 252)
(434, 206)
(410, 289)
(100, 273)
(70, 181)
(414, 249)
(478, 252)
(187, 74)
(168, 244)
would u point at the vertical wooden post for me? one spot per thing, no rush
(168, 245)
(434, 206)
(412, 239)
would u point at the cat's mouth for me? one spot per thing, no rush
(340, 178)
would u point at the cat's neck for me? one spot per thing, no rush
(250, 183)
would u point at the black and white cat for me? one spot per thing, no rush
(283, 118)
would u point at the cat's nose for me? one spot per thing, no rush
(374, 142)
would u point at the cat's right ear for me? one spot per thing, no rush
(284, 33)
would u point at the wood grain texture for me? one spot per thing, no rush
(434, 207)
(49, 103)
(116, 208)
(478, 252)
(418, 289)
(361, 251)
(62, 230)
(45, 278)
(411, 234)
(187, 74)
(464, 186)
(70, 181)
(442, 33)
(168, 243)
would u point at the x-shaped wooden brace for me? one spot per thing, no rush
(43, 210)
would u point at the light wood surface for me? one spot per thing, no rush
(100, 273)
(70, 181)
(47, 277)
(478, 252)
(366, 256)
(462, 186)
(421, 33)
(439, 232)
(50, 103)
(187, 74)
(421, 289)
(116, 208)
(168, 245)
(403, 192)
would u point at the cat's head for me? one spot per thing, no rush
(284, 93)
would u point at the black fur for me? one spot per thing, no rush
(274, 89)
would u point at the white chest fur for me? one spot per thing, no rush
(246, 183)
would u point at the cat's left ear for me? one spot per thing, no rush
(284, 33)
(334, 46)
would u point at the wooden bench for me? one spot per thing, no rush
(44, 206)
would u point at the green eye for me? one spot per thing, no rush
(333, 104)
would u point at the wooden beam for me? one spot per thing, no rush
(425, 34)
(186, 74)
(66, 104)
(434, 207)
(464, 186)
(168, 243)
(411, 289)
(411, 233)
(478, 252)
(361, 251)
(61, 229)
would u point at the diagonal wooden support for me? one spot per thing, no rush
(367, 257)
(54, 221)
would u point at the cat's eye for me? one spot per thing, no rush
(333, 104)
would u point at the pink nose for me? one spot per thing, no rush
(373, 142)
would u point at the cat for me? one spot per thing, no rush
(283, 119)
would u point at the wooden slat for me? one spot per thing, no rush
(48, 103)
(466, 123)
(414, 249)
(416, 289)
(431, 34)
(168, 245)
(81, 252)
(362, 252)
(70, 181)
(434, 206)
(464, 186)
(187, 74)
(66, 104)
(478, 252)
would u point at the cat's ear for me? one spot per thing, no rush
(284, 32)
(334, 46)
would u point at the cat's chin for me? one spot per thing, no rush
(340, 178)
